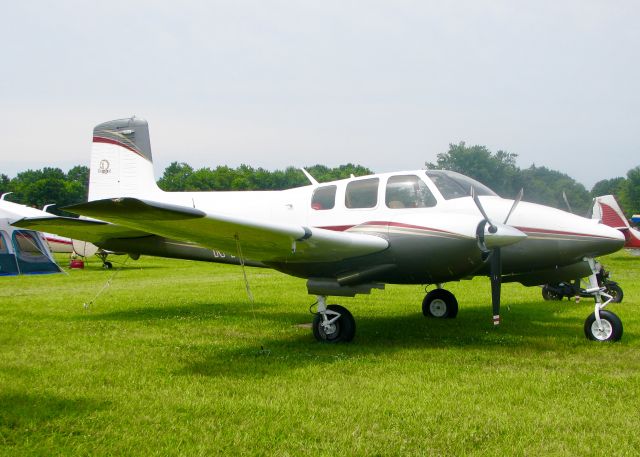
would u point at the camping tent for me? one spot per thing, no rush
(23, 251)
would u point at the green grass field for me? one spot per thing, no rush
(172, 359)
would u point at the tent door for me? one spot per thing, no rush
(8, 265)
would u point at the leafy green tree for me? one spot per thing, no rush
(5, 184)
(181, 177)
(613, 186)
(545, 186)
(175, 177)
(498, 171)
(630, 198)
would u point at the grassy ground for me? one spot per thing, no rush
(172, 359)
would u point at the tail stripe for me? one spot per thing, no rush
(131, 147)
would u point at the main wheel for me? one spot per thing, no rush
(615, 291)
(611, 327)
(550, 294)
(441, 304)
(107, 265)
(342, 330)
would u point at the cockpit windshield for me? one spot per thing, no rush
(454, 185)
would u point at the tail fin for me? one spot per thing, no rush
(606, 209)
(121, 163)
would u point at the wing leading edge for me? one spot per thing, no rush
(264, 241)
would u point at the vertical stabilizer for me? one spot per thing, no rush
(121, 162)
(606, 209)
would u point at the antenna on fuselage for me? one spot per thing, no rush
(4, 195)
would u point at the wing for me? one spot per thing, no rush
(78, 229)
(259, 240)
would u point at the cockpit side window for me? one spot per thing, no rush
(324, 198)
(454, 185)
(362, 193)
(408, 191)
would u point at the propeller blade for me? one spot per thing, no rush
(480, 208)
(566, 201)
(515, 203)
(496, 283)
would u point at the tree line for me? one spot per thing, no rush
(497, 170)
(541, 185)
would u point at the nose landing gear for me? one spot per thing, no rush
(601, 325)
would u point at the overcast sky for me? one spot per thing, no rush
(385, 84)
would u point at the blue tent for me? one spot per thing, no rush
(23, 251)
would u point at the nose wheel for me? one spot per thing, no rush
(609, 328)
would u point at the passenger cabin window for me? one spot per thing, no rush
(408, 191)
(362, 193)
(324, 198)
(454, 185)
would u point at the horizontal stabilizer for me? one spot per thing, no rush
(78, 229)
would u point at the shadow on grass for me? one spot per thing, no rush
(22, 415)
(523, 333)
(533, 327)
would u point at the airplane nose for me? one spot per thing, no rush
(609, 241)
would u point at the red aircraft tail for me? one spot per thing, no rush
(606, 209)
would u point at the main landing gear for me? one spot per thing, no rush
(333, 323)
(440, 303)
(105, 264)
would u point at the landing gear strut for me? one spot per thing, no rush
(601, 325)
(105, 264)
(333, 323)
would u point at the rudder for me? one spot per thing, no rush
(121, 161)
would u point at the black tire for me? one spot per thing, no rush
(612, 327)
(549, 294)
(107, 265)
(343, 330)
(615, 291)
(440, 304)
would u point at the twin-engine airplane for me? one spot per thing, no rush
(345, 237)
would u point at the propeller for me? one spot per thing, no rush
(491, 240)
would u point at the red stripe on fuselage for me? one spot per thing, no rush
(560, 232)
(58, 240)
(531, 230)
(343, 228)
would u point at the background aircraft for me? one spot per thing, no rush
(344, 237)
(607, 209)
